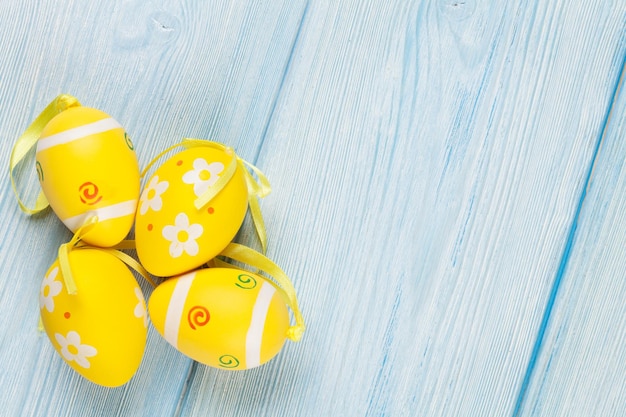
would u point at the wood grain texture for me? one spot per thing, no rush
(429, 161)
(581, 369)
(433, 155)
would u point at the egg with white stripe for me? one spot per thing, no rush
(222, 317)
(87, 166)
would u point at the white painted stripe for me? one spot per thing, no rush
(254, 337)
(113, 211)
(77, 133)
(176, 307)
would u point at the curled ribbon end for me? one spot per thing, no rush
(28, 140)
(294, 333)
(65, 101)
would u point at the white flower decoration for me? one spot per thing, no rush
(151, 196)
(203, 175)
(183, 236)
(73, 350)
(49, 289)
(140, 308)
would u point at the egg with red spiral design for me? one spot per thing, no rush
(222, 317)
(87, 167)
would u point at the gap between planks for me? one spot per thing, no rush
(556, 285)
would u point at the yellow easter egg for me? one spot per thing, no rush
(100, 331)
(172, 235)
(87, 166)
(222, 317)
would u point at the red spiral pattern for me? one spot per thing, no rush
(198, 316)
(89, 193)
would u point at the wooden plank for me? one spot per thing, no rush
(427, 160)
(581, 366)
(165, 71)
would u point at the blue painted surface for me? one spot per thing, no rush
(448, 197)
(567, 252)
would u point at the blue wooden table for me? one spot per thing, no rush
(449, 197)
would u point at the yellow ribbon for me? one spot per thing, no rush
(256, 188)
(76, 243)
(27, 141)
(253, 258)
(131, 262)
(66, 248)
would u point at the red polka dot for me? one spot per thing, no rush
(150, 227)
(180, 162)
(210, 210)
(67, 315)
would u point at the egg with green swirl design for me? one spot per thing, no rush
(222, 317)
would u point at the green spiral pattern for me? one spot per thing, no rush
(246, 282)
(228, 361)
(39, 171)
(129, 143)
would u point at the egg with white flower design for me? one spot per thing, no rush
(100, 330)
(172, 234)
